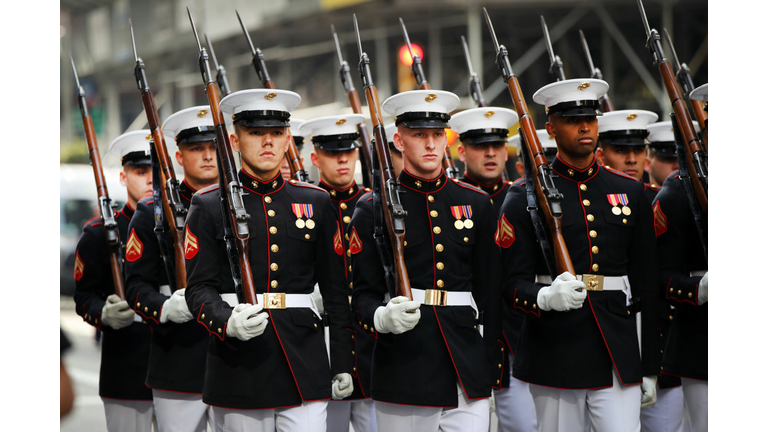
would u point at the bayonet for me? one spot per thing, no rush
(221, 73)
(595, 73)
(555, 64)
(418, 72)
(475, 89)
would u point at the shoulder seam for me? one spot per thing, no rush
(470, 187)
(619, 173)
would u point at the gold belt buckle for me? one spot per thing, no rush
(433, 297)
(593, 282)
(274, 300)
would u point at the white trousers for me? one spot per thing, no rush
(613, 409)
(667, 414)
(361, 413)
(696, 402)
(469, 416)
(309, 417)
(180, 412)
(514, 406)
(128, 415)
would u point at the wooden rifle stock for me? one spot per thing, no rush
(238, 217)
(111, 232)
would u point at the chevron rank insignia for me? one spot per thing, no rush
(338, 245)
(190, 245)
(355, 245)
(133, 247)
(659, 220)
(506, 233)
(79, 267)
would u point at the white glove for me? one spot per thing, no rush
(116, 313)
(341, 386)
(394, 318)
(648, 387)
(246, 322)
(703, 291)
(175, 308)
(562, 295)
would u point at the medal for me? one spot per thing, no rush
(300, 223)
(301, 210)
(468, 224)
(626, 210)
(310, 224)
(458, 224)
(616, 210)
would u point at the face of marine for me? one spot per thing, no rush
(262, 149)
(576, 138)
(629, 159)
(137, 180)
(198, 160)
(337, 168)
(661, 167)
(423, 150)
(484, 162)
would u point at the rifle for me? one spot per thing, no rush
(595, 73)
(235, 217)
(221, 73)
(698, 216)
(111, 232)
(393, 212)
(448, 165)
(166, 249)
(548, 197)
(366, 158)
(685, 81)
(696, 157)
(173, 209)
(476, 90)
(555, 64)
(292, 155)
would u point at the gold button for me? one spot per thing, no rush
(333, 193)
(353, 352)
(679, 292)
(670, 317)
(439, 247)
(590, 218)
(350, 268)
(517, 300)
(306, 236)
(350, 285)
(273, 266)
(585, 202)
(625, 221)
(219, 330)
(591, 170)
(593, 233)
(628, 312)
(595, 267)
(440, 266)
(354, 368)
(315, 325)
(273, 284)
(499, 365)
(671, 289)
(502, 349)
(143, 321)
(347, 219)
(138, 304)
(210, 323)
(274, 248)
(272, 230)
(346, 236)
(690, 295)
(595, 250)
(440, 283)
(466, 239)
(343, 206)
(534, 305)
(146, 309)
(662, 368)
(525, 302)
(202, 316)
(405, 242)
(96, 321)
(267, 199)
(583, 187)
(349, 252)
(154, 313)
(271, 213)
(497, 382)
(662, 351)
(433, 213)
(431, 198)
(436, 230)
(365, 326)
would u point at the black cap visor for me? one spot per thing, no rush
(137, 158)
(262, 118)
(624, 137)
(482, 137)
(196, 135)
(423, 120)
(341, 142)
(576, 108)
(664, 148)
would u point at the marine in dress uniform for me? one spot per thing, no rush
(483, 149)
(663, 150)
(335, 140)
(578, 345)
(125, 341)
(548, 145)
(179, 345)
(684, 281)
(267, 366)
(397, 156)
(298, 139)
(432, 368)
(622, 145)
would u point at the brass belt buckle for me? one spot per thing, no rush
(593, 282)
(274, 300)
(433, 297)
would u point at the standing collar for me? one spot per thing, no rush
(423, 185)
(127, 211)
(186, 190)
(258, 186)
(340, 194)
(491, 190)
(572, 173)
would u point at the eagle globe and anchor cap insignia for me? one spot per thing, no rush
(190, 245)
(133, 247)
